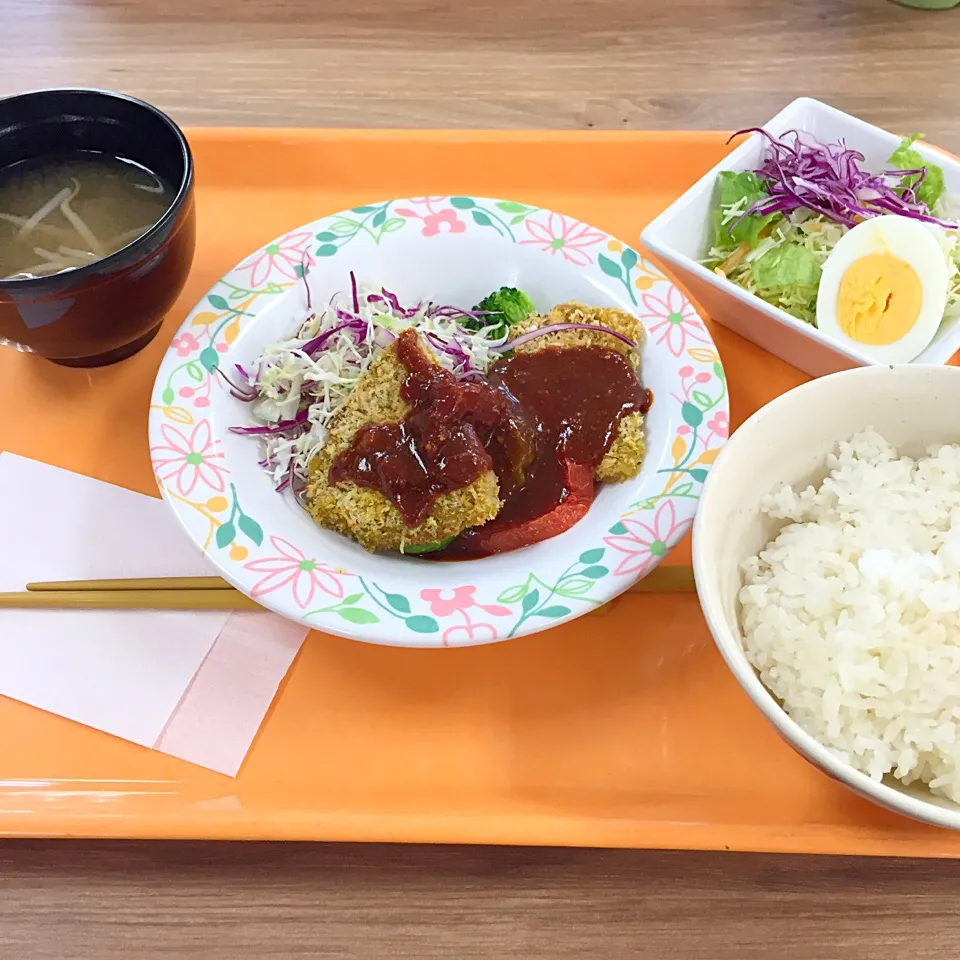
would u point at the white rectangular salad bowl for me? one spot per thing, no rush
(680, 238)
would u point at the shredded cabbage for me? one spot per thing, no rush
(949, 241)
(813, 233)
(818, 236)
(298, 385)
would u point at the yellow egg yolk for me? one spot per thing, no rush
(879, 299)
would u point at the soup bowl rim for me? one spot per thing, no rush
(133, 252)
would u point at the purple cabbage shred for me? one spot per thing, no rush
(800, 172)
(281, 427)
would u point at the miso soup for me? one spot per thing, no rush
(64, 212)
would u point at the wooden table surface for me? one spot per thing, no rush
(475, 63)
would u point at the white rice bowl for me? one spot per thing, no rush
(851, 615)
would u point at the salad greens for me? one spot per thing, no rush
(738, 193)
(786, 266)
(927, 184)
(773, 228)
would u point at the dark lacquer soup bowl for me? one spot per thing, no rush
(109, 308)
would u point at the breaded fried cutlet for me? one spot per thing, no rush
(367, 515)
(625, 456)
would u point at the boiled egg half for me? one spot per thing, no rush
(883, 289)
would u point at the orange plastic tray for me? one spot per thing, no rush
(621, 729)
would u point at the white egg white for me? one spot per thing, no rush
(911, 241)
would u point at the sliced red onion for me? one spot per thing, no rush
(557, 328)
(452, 313)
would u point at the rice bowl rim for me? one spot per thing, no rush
(729, 643)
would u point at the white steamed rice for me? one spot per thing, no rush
(851, 615)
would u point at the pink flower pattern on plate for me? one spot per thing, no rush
(291, 566)
(441, 605)
(568, 237)
(185, 344)
(446, 221)
(719, 424)
(675, 320)
(184, 462)
(644, 544)
(285, 256)
(446, 603)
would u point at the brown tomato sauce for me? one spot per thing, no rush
(542, 421)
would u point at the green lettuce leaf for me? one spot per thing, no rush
(906, 158)
(733, 188)
(786, 266)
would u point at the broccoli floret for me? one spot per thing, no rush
(502, 309)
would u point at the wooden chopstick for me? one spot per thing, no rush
(213, 593)
(142, 583)
(661, 580)
(131, 599)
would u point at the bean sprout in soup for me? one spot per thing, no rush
(61, 213)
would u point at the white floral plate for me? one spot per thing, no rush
(450, 250)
